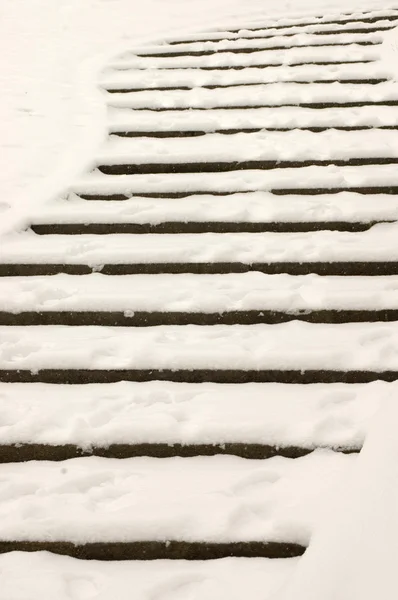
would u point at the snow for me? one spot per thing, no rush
(378, 243)
(49, 89)
(46, 576)
(246, 208)
(300, 39)
(279, 146)
(122, 119)
(353, 552)
(271, 94)
(97, 415)
(291, 56)
(197, 78)
(197, 293)
(216, 498)
(294, 345)
(304, 177)
(51, 102)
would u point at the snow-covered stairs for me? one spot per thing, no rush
(194, 339)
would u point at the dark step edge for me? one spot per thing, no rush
(272, 35)
(223, 167)
(184, 134)
(23, 452)
(182, 227)
(393, 17)
(341, 268)
(389, 190)
(84, 376)
(241, 67)
(155, 318)
(249, 84)
(252, 50)
(157, 550)
(312, 105)
(168, 195)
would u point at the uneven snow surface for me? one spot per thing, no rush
(196, 193)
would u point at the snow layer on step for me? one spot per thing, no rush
(245, 208)
(123, 119)
(293, 27)
(219, 498)
(197, 293)
(269, 57)
(45, 576)
(238, 181)
(196, 78)
(265, 145)
(294, 345)
(97, 415)
(257, 95)
(378, 243)
(299, 39)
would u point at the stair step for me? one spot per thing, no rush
(332, 268)
(228, 35)
(143, 501)
(224, 167)
(150, 319)
(359, 19)
(201, 351)
(32, 452)
(252, 50)
(370, 81)
(175, 227)
(162, 416)
(153, 550)
(86, 376)
(298, 63)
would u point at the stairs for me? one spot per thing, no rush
(195, 338)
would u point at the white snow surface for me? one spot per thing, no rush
(54, 123)
(249, 207)
(97, 415)
(293, 345)
(353, 552)
(378, 243)
(45, 576)
(197, 293)
(214, 498)
(52, 113)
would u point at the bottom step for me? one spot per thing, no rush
(44, 576)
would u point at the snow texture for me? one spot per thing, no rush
(333, 415)
(216, 498)
(44, 576)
